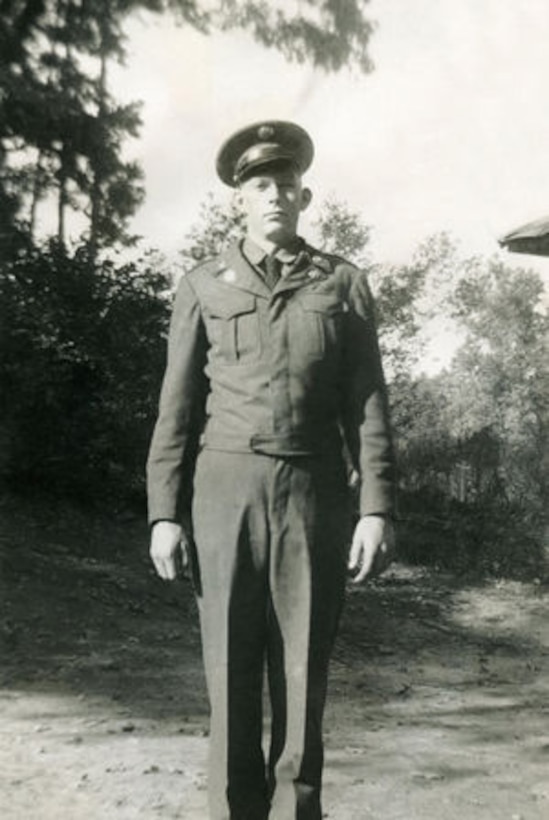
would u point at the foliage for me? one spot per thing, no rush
(81, 357)
(62, 133)
(217, 226)
(475, 439)
(342, 232)
(329, 34)
(504, 364)
(82, 349)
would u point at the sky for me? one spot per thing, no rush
(450, 132)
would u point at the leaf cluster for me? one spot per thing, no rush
(81, 356)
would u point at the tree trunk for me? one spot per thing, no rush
(95, 195)
(63, 197)
(36, 194)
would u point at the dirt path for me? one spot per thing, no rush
(438, 709)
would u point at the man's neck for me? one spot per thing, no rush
(270, 246)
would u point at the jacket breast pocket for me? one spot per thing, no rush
(233, 327)
(320, 328)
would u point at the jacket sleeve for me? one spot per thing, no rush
(172, 454)
(365, 413)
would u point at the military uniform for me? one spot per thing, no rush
(264, 386)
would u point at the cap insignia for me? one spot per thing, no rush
(265, 132)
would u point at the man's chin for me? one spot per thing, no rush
(278, 233)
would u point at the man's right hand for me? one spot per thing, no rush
(168, 549)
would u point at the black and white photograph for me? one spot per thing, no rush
(274, 407)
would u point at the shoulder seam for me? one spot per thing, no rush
(333, 258)
(206, 265)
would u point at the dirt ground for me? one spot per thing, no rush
(438, 705)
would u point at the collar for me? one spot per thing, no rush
(287, 255)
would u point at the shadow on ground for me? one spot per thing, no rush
(83, 608)
(438, 693)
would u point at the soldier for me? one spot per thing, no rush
(273, 369)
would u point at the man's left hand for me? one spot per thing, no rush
(372, 548)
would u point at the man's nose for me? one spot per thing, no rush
(274, 191)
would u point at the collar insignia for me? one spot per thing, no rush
(227, 275)
(322, 263)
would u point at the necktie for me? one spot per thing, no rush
(272, 270)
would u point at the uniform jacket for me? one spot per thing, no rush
(287, 372)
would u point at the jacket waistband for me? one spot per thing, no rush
(275, 444)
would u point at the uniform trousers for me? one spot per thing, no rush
(271, 536)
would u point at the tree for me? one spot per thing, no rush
(216, 227)
(61, 133)
(343, 232)
(473, 437)
(329, 34)
(505, 375)
(81, 358)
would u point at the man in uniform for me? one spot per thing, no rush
(273, 372)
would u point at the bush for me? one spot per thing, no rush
(81, 358)
(478, 539)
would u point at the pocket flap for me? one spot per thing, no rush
(230, 304)
(326, 303)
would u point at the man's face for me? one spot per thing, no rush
(272, 200)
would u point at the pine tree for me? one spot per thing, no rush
(62, 133)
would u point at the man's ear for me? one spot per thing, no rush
(306, 197)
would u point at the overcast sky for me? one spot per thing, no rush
(450, 132)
